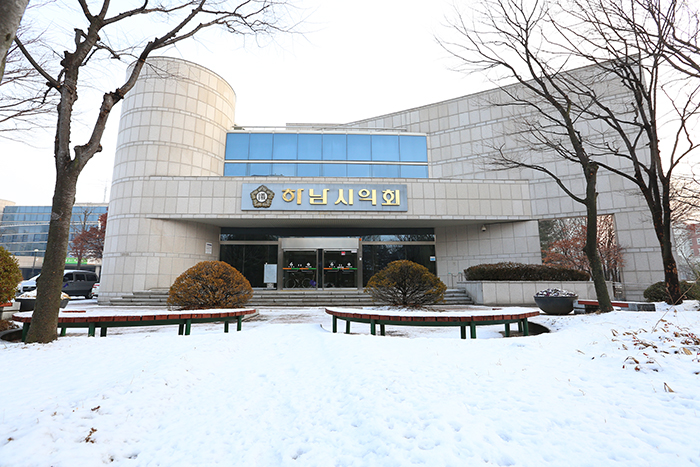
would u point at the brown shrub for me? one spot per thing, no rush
(210, 284)
(405, 283)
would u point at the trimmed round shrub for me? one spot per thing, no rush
(10, 275)
(210, 284)
(658, 293)
(405, 283)
(523, 272)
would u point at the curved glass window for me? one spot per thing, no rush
(284, 170)
(414, 171)
(308, 170)
(359, 148)
(335, 170)
(260, 169)
(260, 146)
(284, 146)
(413, 148)
(235, 170)
(310, 147)
(385, 171)
(385, 148)
(334, 147)
(237, 146)
(359, 170)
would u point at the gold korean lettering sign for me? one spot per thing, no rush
(324, 197)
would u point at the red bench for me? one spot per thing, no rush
(591, 306)
(184, 319)
(417, 318)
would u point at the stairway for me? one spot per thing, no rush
(286, 298)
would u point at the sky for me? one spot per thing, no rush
(349, 61)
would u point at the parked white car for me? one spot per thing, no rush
(95, 290)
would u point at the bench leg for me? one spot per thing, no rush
(239, 323)
(180, 329)
(472, 330)
(373, 327)
(103, 331)
(91, 330)
(382, 331)
(347, 326)
(335, 324)
(188, 326)
(526, 328)
(463, 332)
(520, 326)
(25, 330)
(507, 329)
(63, 331)
(225, 326)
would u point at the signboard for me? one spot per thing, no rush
(270, 275)
(323, 197)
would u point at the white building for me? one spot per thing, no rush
(189, 185)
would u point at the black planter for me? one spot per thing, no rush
(27, 304)
(556, 305)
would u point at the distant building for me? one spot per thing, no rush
(24, 231)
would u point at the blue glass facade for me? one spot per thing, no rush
(326, 155)
(24, 229)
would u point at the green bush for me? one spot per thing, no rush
(405, 283)
(210, 284)
(523, 272)
(10, 275)
(657, 292)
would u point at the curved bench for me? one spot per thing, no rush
(431, 318)
(184, 319)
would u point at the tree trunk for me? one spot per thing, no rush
(11, 12)
(46, 309)
(591, 247)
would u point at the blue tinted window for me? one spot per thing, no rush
(385, 171)
(309, 170)
(260, 146)
(285, 147)
(285, 170)
(260, 169)
(237, 146)
(414, 171)
(413, 148)
(359, 148)
(335, 170)
(385, 148)
(334, 147)
(235, 170)
(359, 170)
(310, 147)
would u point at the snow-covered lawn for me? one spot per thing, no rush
(600, 390)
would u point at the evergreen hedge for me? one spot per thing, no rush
(658, 293)
(523, 272)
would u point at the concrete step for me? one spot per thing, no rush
(287, 298)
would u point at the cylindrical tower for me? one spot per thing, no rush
(173, 124)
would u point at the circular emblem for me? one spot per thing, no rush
(262, 197)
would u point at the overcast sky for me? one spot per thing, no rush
(355, 60)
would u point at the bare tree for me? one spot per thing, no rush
(509, 39)
(180, 20)
(640, 43)
(11, 12)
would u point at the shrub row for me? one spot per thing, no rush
(657, 292)
(523, 272)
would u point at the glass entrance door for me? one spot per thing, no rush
(340, 269)
(299, 269)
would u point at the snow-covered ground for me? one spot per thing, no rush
(618, 389)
